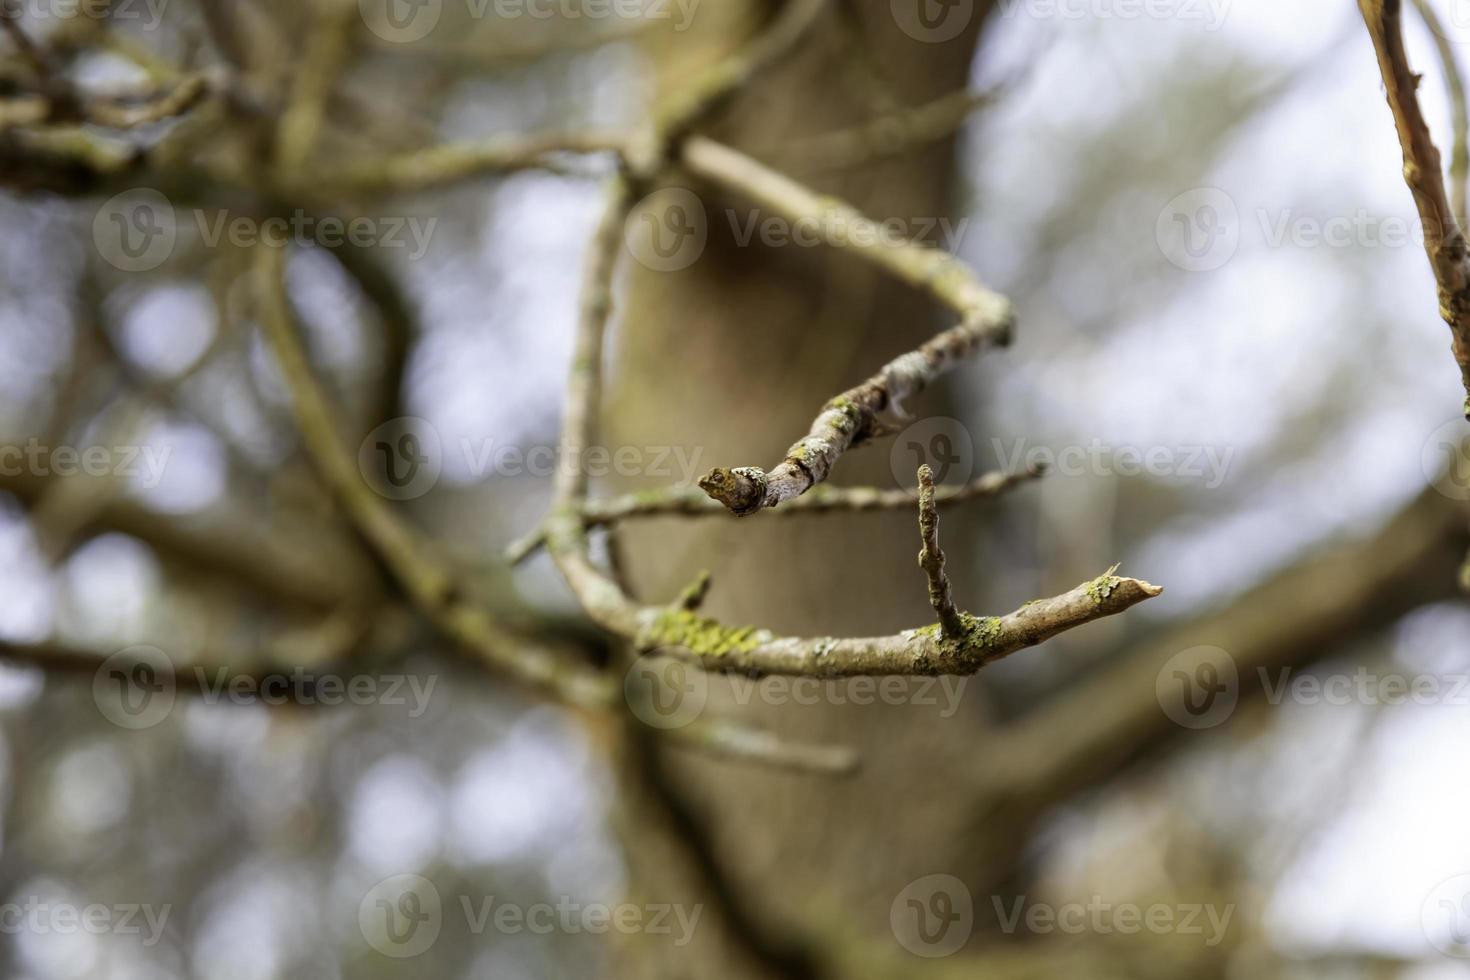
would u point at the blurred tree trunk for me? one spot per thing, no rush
(732, 358)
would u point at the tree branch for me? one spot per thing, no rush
(931, 560)
(423, 577)
(1444, 242)
(824, 499)
(1455, 89)
(852, 418)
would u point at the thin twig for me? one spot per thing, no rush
(29, 50)
(113, 110)
(327, 46)
(696, 102)
(430, 584)
(457, 161)
(931, 560)
(924, 651)
(1455, 88)
(853, 417)
(124, 111)
(1444, 242)
(425, 579)
(842, 226)
(718, 647)
(692, 502)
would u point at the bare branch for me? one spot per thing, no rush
(426, 580)
(129, 111)
(457, 161)
(301, 567)
(710, 92)
(32, 52)
(824, 499)
(851, 418)
(430, 583)
(327, 47)
(842, 226)
(1444, 242)
(924, 651)
(931, 560)
(717, 647)
(112, 110)
(1455, 88)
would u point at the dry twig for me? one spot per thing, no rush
(1444, 241)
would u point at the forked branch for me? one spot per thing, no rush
(855, 416)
